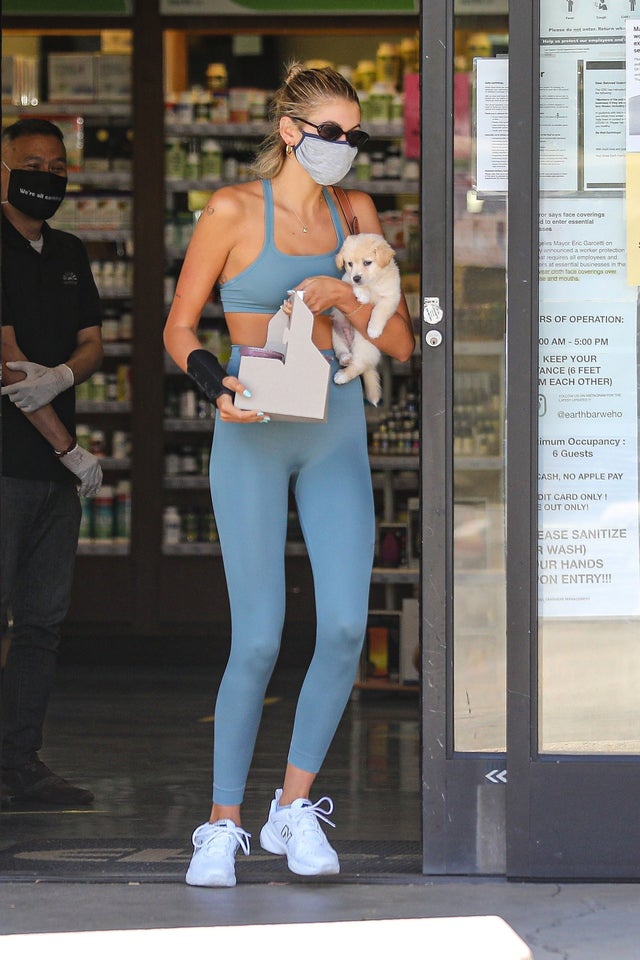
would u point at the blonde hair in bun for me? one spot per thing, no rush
(303, 91)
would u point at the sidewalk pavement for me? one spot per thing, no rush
(579, 921)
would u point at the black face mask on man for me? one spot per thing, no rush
(36, 193)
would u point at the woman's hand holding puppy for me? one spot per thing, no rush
(322, 293)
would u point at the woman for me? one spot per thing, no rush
(259, 240)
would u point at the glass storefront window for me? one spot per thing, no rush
(478, 418)
(588, 546)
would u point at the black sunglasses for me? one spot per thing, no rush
(330, 130)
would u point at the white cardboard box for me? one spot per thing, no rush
(295, 385)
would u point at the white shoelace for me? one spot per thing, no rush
(317, 810)
(239, 836)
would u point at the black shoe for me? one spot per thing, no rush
(34, 781)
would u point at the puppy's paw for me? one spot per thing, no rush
(374, 330)
(342, 376)
(345, 359)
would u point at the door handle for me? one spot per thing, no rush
(432, 313)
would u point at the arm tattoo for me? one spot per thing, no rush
(210, 211)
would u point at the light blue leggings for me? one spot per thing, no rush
(253, 467)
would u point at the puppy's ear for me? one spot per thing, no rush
(340, 260)
(384, 253)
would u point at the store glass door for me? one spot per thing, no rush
(464, 231)
(574, 711)
(531, 717)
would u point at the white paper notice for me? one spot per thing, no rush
(492, 125)
(588, 558)
(585, 18)
(582, 117)
(633, 85)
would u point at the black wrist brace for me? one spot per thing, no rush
(207, 372)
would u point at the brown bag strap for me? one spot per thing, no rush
(343, 202)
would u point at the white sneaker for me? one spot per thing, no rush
(214, 854)
(295, 831)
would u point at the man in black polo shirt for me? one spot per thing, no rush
(51, 340)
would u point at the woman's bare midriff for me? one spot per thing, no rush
(250, 329)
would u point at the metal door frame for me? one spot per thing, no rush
(548, 835)
(436, 96)
(522, 419)
(463, 813)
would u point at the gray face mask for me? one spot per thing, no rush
(326, 161)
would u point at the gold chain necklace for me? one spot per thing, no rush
(305, 228)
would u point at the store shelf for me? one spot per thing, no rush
(191, 549)
(193, 425)
(81, 108)
(106, 180)
(117, 349)
(115, 463)
(478, 463)
(395, 575)
(394, 461)
(387, 686)
(257, 129)
(96, 548)
(186, 483)
(96, 235)
(103, 406)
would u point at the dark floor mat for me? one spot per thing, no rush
(166, 861)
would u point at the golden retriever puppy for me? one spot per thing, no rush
(369, 266)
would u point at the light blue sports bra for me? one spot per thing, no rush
(263, 285)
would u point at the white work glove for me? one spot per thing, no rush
(86, 467)
(40, 385)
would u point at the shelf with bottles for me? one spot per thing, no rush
(397, 552)
(186, 464)
(96, 216)
(98, 203)
(98, 138)
(189, 527)
(389, 660)
(106, 518)
(112, 269)
(205, 162)
(112, 446)
(257, 129)
(105, 526)
(393, 427)
(107, 391)
(478, 403)
(186, 410)
(52, 109)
